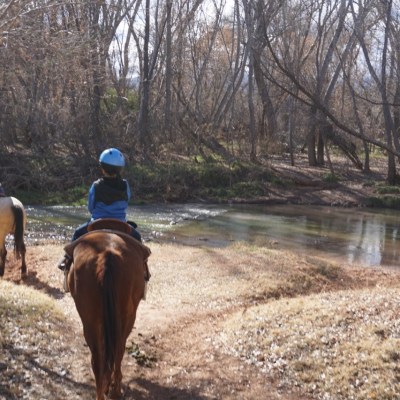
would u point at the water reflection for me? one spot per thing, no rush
(369, 237)
(366, 236)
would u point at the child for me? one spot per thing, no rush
(108, 197)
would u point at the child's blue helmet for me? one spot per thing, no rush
(112, 157)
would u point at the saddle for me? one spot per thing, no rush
(116, 226)
(111, 224)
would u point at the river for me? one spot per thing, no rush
(365, 236)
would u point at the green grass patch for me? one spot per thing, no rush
(74, 196)
(330, 178)
(387, 189)
(248, 189)
(203, 179)
(386, 201)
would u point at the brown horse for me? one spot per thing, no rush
(107, 282)
(12, 221)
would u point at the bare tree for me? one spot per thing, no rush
(249, 18)
(266, 77)
(384, 11)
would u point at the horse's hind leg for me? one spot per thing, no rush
(3, 254)
(101, 375)
(23, 265)
(115, 391)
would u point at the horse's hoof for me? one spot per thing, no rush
(115, 393)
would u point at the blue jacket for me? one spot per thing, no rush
(108, 198)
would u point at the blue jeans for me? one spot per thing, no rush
(82, 229)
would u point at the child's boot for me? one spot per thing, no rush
(147, 276)
(65, 263)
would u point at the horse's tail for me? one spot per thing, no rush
(19, 228)
(109, 310)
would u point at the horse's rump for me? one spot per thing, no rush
(12, 221)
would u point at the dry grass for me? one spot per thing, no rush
(242, 273)
(341, 345)
(30, 320)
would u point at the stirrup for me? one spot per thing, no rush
(145, 291)
(65, 281)
(147, 273)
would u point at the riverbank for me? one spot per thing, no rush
(347, 186)
(274, 181)
(233, 323)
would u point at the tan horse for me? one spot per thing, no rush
(107, 282)
(12, 221)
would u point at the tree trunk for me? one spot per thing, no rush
(168, 73)
(312, 157)
(143, 123)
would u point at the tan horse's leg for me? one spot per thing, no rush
(3, 254)
(23, 265)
